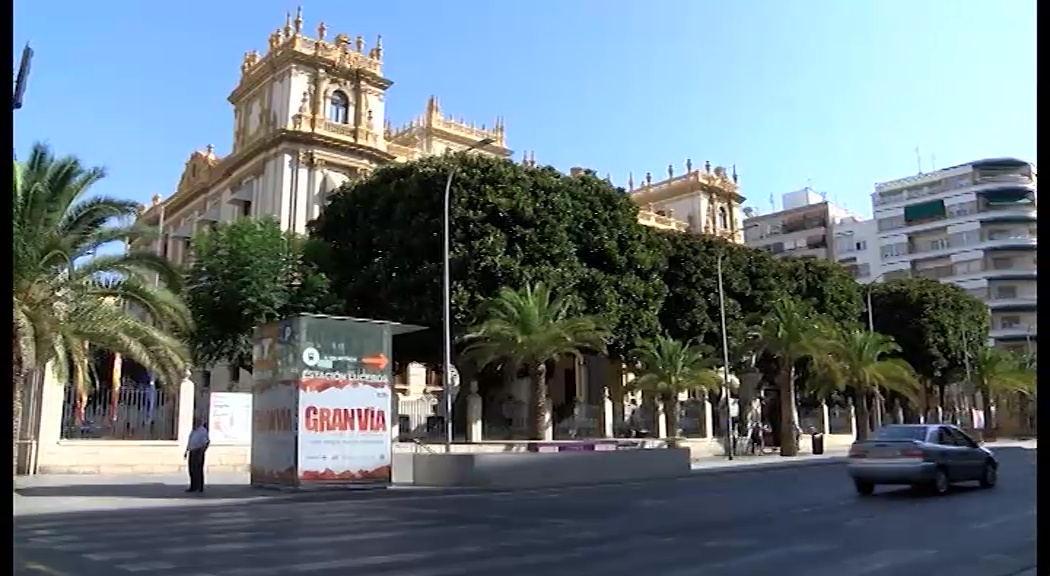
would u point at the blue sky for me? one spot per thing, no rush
(835, 94)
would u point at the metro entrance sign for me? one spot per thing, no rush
(322, 399)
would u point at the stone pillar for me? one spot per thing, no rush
(52, 397)
(661, 419)
(825, 418)
(708, 414)
(474, 415)
(185, 413)
(608, 415)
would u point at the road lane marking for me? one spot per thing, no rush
(147, 566)
(767, 555)
(38, 567)
(883, 560)
(1003, 520)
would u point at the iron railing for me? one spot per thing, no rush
(134, 413)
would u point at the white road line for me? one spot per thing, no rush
(1003, 520)
(269, 543)
(881, 561)
(147, 566)
(107, 556)
(759, 558)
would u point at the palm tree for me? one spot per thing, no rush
(789, 333)
(669, 367)
(528, 328)
(996, 371)
(858, 361)
(68, 298)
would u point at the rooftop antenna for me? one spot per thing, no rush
(918, 159)
(933, 162)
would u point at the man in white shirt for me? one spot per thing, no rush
(195, 449)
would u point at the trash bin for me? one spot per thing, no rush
(818, 443)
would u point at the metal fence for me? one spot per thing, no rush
(134, 413)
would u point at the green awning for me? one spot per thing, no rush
(1008, 196)
(924, 211)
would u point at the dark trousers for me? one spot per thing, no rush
(195, 463)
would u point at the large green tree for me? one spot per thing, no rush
(68, 297)
(751, 280)
(245, 273)
(936, 324)
(825, 286)
(511, 225)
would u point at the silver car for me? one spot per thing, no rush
(927, 456)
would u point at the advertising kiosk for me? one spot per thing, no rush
(322, 400)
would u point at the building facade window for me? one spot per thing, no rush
(1008, 291)
(967, 267)
(1009, 322)
(891, 222)
(723, 218)
(339, 108)
(894, 250)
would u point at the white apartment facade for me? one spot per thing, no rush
(856, 248)
(973, 225)
(805, 228)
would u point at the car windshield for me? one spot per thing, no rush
(901, 433)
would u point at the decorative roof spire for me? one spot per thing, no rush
(298, 20)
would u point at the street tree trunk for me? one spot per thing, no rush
(860, 404)
(788, 444)
(540, 421)
(671, 413)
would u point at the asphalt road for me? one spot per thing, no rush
(803, 521)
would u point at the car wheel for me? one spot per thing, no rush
(940, 483)
(864, 488)
(990, 475)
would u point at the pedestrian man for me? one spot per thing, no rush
(195, 449)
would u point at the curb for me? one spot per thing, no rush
(777, 465)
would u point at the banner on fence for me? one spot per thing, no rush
(230, 418)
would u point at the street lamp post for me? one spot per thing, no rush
(20, 84)
(446, 295)
(725, 364)
(871, 328)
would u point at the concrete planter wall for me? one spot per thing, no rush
(539, 469)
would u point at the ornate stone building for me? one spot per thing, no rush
(699, 201)
(308, 114)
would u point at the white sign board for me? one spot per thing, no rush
(344, 430)
(230, 418)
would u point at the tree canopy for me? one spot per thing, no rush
(934, 323)
(511, 225)
(245, 273)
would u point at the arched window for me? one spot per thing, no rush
(339, 108)
(723, 218)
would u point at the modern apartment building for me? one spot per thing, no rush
(856, 248)
(973, 225)
(805, 228)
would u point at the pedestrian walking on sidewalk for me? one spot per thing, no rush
(195, 449)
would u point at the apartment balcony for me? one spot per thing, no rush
(1014, 333)
(654, 220)
(999, 299)
(1019, 239)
